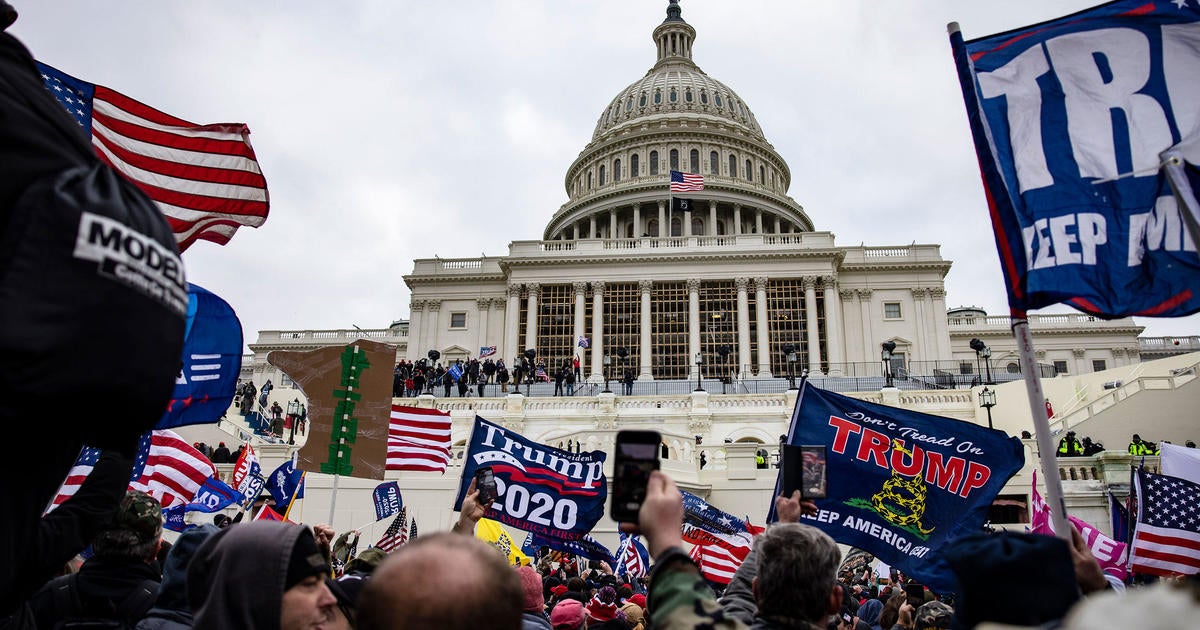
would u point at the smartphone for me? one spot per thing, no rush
(803, 468)
(636, 457)
(485, 483)
(915, 594)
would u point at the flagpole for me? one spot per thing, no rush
(1041, 425)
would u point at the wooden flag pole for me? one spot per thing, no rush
(1041, 425)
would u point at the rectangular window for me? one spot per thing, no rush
(458, 320)
(1099, 365)
(1060, 367)
(891, 310)
(285, 380)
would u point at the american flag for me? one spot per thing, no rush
(632, 557)
(205, 178)
(412, 531)
(686, 182)
(418, 439)
(396, 534)
(166, 467)
(717, 564)
(1167, 539)
(486, 351)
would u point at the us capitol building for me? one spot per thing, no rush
(719, 308)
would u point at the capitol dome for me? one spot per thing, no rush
(676, 118)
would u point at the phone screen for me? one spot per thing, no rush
(636, 457)
(915, 594)
(485, 483)
(813, 481)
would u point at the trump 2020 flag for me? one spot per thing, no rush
(212, 496)
(387, 500)
(1076, 122)
(541, 489)
(212, 360)
(901, 484)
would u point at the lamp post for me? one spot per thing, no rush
(607, 363)
(723, 352)
(530, 368)
(789, 351)
(982, 350)
(699, 363)
(987, 400)
(886, 355)
(293, 411)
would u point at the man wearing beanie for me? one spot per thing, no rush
(602, 611)
(533, 607)
(569, 614)
(260, 575)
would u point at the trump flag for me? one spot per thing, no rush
(211, 362)
(901, 484)
(541, 489)
(1086, 130)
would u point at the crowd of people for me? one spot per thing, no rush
(468, 377)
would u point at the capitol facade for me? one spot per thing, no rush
(718, 300)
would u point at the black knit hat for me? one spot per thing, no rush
(306, 560)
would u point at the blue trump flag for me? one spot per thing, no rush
(541, 489)
(387, 499)
(286, 484)
(212, 360)
(213, 495)
(901, 484)
(585, 546)
(173, 519)
(1086, 132)
(698, 512)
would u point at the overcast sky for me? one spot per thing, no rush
(394, 130)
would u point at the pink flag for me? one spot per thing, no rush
(1112, 555)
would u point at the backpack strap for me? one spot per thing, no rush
(66, 597)
(138, 603)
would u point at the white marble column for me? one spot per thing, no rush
(531, 320)
(941, 326)
(432, 335)
(612, 224)
(416, 335)
(777, 225)
(663, 228)
(758, 221)
(687, 222)
(484, 305)
(812, 329)
(693, 287)
(638, 230)
(920, 346)
(868, 327)
(743, 327)
(737, 218)
(834, 326)
(712, 219)
(597, 332)
(580, 311)
(592, 227)
(512, 319)
(1081, 366)
(764, 334)
(646, 372)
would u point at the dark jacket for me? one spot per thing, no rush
(102, 585)
(171, 610)
(534, 621)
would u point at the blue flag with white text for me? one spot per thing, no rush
(1086, 130)
(901, 484)
(585, 546)
(173, 519)
(211, 362)
(455, 371)
(387, 500)
(214, 495)
(541, 489)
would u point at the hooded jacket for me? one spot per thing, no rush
(236, 580)
(171, 610)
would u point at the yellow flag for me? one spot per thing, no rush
(494, 534)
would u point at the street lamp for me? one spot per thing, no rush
(293, 411)
(987, 400)
(723, 352)
(789, 351)
(886, 355)
(530, 368)
(981, 350)
(699, 363)
(607, 363)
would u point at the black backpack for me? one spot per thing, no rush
(126, 614)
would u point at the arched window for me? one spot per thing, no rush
(633, 165)
(721, 228)
(703, 97)
(732, 165)
(694, 161)
(589, 180)
(762, 175)
(642, 100)
(654, 162)
(697, 226)
(616, 170)
(676, 226)
(658, 97)
(601, 174)
(652, 228)
(717, 100)
(674, 95)
(687, 95)
(749, 171)
(629, 103)
(674, 159)
(714, 163)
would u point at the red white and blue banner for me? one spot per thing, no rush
(541, 489)
(1088, 135)
(901, 484)
(486, 351)
(633, 559)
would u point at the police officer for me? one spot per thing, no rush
(1070, 446)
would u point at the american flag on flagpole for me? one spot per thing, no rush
(166, 467)
(717, 564)
(396, 533)
(632, 558)
(169, 469)
(1167, 539)
(686, 182)
(205, 178)
(412, 530)
(418, 439)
